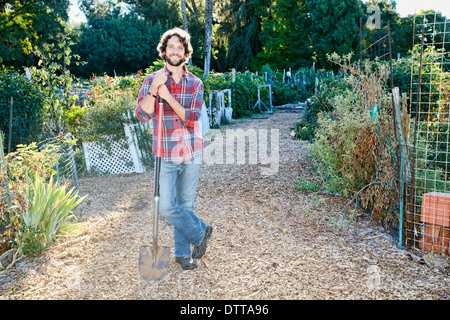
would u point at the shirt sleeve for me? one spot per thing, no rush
(140, 113)
(194, 111)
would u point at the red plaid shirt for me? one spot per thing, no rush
(181, 141)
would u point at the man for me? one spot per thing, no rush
(182, 143)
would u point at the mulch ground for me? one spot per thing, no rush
(270, 240)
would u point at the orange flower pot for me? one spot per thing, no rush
(435, 239)
(436, 208)
(436, 215)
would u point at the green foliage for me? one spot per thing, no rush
(431, 173)
(354, 144)
(26, 25)
(163, 11)
(285, 36)
(17, 166)
(244, 91)
(321, 101)
(72, 117)
(336, 140)
(306, 185)
(29, 108)
(335, 27)
(435, 88)
(55, 80)
(28, 160)
(116, 45)
(47, 214)
(284, 93)
(241, 21)
(30, 240)
(110, 98)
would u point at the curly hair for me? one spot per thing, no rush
(184, 37)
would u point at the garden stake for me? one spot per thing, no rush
(154, 260)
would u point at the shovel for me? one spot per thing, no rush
(154, 260)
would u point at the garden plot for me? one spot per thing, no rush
(270, 241)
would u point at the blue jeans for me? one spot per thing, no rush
(178, 186)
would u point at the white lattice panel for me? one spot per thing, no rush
(118, 160)
(123, 157)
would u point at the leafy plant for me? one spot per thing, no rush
(16, 167)
(354, 145)
(28, 160)
(47, 213)
(304, 184)
(110, 98)
(55, 80)
(28, 121)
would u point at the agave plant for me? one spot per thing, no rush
(49, 209)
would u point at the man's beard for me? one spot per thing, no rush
(175, 64)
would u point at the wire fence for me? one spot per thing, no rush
(427, 181)
(15, 136)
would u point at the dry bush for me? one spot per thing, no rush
(354, 148)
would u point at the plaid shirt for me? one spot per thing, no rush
(181, 141)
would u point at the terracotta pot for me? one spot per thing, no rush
(436, 208)
(436, 239)
(436, 215)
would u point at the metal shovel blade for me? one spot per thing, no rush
(153, 262)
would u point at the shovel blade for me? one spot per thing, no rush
(153, 262)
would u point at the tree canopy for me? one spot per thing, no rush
(26, 25)
(120, 37)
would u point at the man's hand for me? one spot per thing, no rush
(159, 80)
(164, 93)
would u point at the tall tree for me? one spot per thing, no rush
(334, 27)
(26, 25)
(184, 16)
(163, 11)
(167, 13)
(208, 34)
(117, 44)
(285, 36)
(240, 25)
(96, 8)
(388, 16)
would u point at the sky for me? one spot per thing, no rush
(404, 7)
(75, 14)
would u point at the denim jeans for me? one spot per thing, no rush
(178, 186)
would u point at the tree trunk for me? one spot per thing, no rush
(183, 14)
(208, 34)
(185, 22)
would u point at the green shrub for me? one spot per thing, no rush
(47, 213)
(321, 101)
(27, 161)
(354, 145)
(284, 93)
(28, 112)
(244, 92)
(110, 99)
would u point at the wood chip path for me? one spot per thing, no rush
(270, 240)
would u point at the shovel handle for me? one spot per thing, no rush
(158, 145)
(157, 170)
(160, 124)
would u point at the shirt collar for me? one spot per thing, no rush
(185, 70)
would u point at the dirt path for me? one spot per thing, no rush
(270, 241)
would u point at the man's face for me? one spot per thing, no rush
(175, 54)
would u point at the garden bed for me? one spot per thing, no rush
(270, 241)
